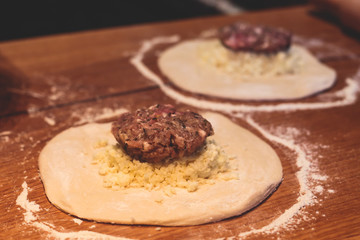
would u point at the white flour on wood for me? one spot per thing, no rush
(93, 115)
(5, 133)
(50, 121)
(77, 221)
(30, 207)
(4, 136)
(306, 196)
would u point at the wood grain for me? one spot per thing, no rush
(68, 77)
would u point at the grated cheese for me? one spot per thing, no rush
(120, 171)
(248, 64)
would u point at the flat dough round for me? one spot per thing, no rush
(181, 65)
(73, 184)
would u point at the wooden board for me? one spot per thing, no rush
(51, 83)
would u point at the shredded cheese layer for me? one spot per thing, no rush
(247, 63)
(120, 171)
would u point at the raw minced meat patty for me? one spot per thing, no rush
(160, 132)
(254, 38)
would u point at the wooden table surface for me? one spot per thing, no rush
(49, 84)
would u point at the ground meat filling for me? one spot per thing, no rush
(160, 132)
(254, 38)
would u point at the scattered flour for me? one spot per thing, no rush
(26, 92)
(319, 177)
(29, 207)
(208, 33)
(295, 213)
(56, 88)
(224, 6)
(57, 92)
(93, 115)
(5, 133)
(289, 133)
(50, 121)
(331, 191)
(33, 110)
(5, 138)
(77, 221)
(319, 189)
(74, 235)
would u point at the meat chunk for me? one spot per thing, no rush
(160, 132)
(254, 38)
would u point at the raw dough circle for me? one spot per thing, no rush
(73, 184)
(181, 65)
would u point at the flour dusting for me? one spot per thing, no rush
(289, 133)
(93, 115)
(306, 196)
(48, 88)
(33, 94)
(5, 133)
(29, 207)
(210, 33)
(50, 121)
(77, 221)
(74, 235)
(319, 189)
(6, 139)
